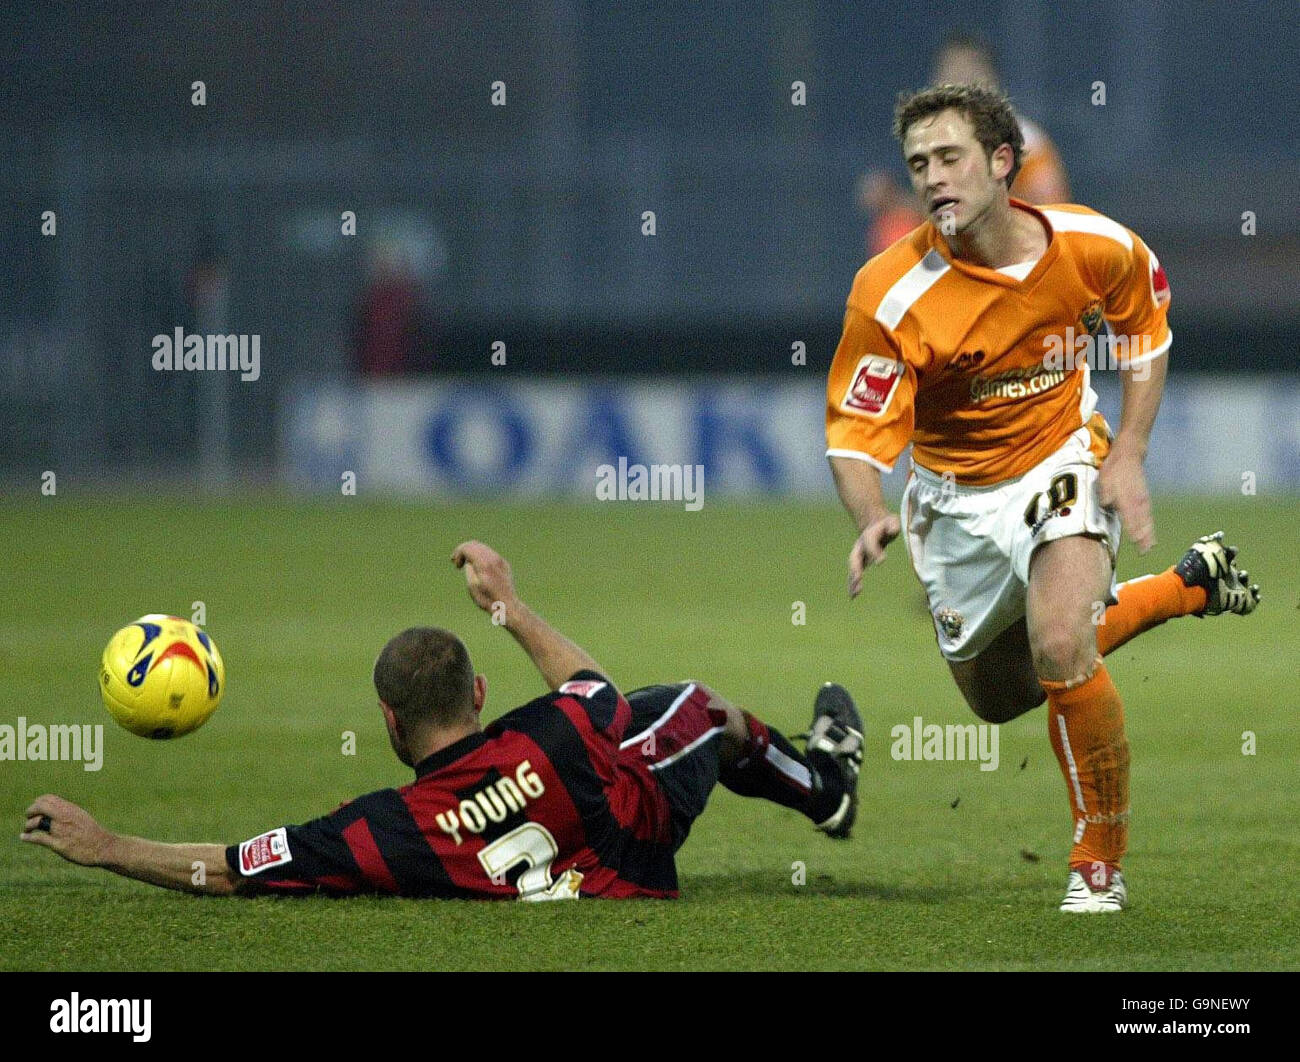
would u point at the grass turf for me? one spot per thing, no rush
(949, 867)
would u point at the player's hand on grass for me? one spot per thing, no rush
(67, 829)
(487, 575)
(869, 549)
(1122, 486)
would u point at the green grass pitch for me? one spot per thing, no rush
(949, 867)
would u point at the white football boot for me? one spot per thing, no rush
(1080, 897)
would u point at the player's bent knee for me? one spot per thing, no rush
(1007, 704)
(1000, 682)
(999, 688)
(1061, 653)
(735, 733)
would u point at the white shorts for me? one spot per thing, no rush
(971, 546)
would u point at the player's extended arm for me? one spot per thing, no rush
(1143, 386)
(1122, 483)
(69, 830)
(490, 584)
(858, 483)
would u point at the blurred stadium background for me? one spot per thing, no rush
(522, 224)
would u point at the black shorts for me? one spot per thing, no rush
(676, 733)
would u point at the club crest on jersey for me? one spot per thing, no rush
(874, 382)
(950, 622)
(268, 850)
(1092, 320)
(967, 360)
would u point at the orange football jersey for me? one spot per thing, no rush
(986, 374)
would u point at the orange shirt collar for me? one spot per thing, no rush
(992, 275)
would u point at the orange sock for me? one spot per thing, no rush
(1086, 723)
(1146, 602)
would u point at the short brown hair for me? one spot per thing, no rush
(988, 110)
(425, 676)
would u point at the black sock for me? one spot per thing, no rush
(770, 767)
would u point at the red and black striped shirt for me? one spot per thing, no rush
(540, 805)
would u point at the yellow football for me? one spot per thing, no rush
(161, 676)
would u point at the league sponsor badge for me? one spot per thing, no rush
(1159, 282)
(268, 850)
(874, 382)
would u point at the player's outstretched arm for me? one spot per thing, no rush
(69, 830)
(863, 496)
(492, 587)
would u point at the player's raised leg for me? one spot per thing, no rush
(1206, 582)
(759, 761)
(1085, 713)
(691, 737)
(1001, 683)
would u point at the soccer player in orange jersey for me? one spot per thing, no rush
(972, 338)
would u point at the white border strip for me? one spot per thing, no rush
(1151, 355)
(662, 719)
(1094, 224)
(1074, 771)
(792, 769)
(910, 287)
(683, 751)
(858, 455)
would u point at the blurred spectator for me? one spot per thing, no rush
(891, 207)
(207, 286)
(207, 298)
(393, 333)
(967, 60)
